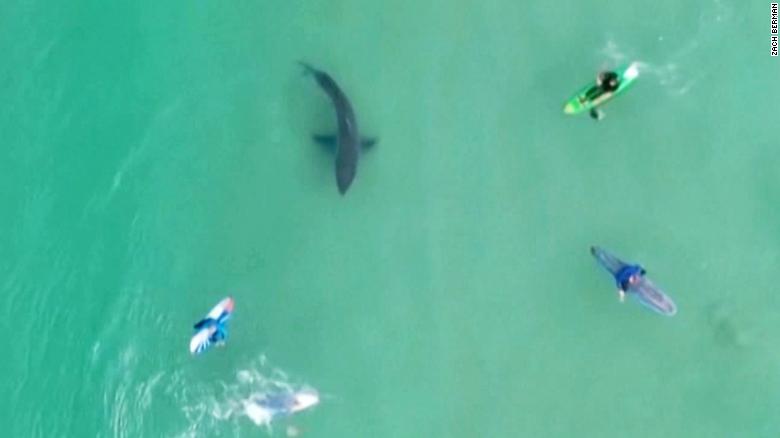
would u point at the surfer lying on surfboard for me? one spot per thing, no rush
(217, 328)
(213, 328)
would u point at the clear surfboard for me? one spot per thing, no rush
(643, 290)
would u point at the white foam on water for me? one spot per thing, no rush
(258, 414)
(215, 406)
(674, 74)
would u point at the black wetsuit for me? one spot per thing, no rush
(609, 81)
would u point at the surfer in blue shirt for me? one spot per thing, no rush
(218, 327)
(626, 277)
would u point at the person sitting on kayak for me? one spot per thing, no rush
(607, 82)
(217, 327)
(626, 277)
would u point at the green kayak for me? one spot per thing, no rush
(592, 96)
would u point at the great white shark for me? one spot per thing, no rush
(348, 137)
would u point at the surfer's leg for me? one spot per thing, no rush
(218, 338)
(596, 114)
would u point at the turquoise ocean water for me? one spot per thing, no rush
(156, 157)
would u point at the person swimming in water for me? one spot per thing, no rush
(626, 277)
(265, 408)
(607, 82)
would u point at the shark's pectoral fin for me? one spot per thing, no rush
(369, 142)
(329, 141)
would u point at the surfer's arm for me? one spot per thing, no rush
(205, 322)
(621, 295)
